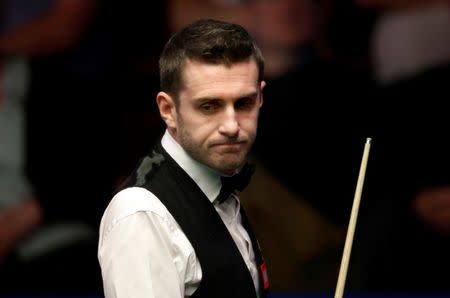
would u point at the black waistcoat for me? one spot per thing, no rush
(224, 272)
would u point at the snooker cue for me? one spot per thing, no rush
(353, 217)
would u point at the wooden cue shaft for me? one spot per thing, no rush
(351, 227)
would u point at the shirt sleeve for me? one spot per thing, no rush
(137, 258)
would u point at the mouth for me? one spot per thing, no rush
(230, 146)
(226, 144)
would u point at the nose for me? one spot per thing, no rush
(230, 124)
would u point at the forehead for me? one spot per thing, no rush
(201, 79)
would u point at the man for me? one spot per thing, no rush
(171, 231)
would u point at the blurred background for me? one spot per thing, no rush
(78, 81)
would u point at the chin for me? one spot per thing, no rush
(231, 168)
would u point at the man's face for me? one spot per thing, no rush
(216, 119)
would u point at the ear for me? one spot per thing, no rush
(261, 88)
(167, 109)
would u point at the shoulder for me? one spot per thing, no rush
(130, 201)
(134, 199)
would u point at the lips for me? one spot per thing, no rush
(233, 147)
(229, 144)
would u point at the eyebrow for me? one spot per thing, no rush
(209, 98)
(251, 94)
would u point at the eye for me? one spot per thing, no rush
(245, 103)
(209, 106)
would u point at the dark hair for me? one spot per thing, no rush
(209, 41)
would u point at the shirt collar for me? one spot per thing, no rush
(206, 178)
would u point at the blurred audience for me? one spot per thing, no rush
(20, 213)
(89, 99)
(42, 262)
(403, 240)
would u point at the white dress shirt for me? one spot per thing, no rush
(142, 250)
